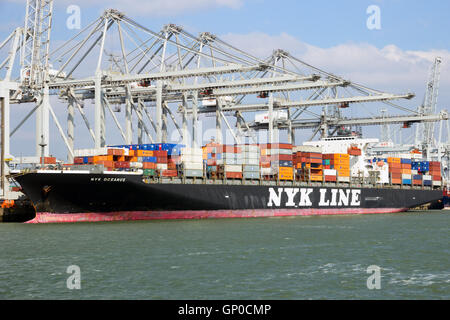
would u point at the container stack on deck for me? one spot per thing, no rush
(311, 166)
(277, 162)
(211, 154)
(273, 162)
(230, 166)
(406, 171)
(250, 167)
(192, 162)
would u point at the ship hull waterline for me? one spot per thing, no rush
(62, 197)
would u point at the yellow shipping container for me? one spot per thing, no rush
(286, 170)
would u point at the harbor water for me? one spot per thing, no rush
(268, 258)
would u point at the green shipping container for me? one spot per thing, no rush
(149, 172)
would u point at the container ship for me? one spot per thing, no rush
(169, 181)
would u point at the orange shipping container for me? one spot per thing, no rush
(149, 165)
(108, 164)
(144, 153)
(116, 152)
(394, 160)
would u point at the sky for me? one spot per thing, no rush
(332, 35)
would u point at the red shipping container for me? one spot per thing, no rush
(160, 153)
(285, 157)
(122, 164)
(169, 173)
(48, 160)
(233, 175)
(171, 166)
(330, 179)
(78, 160)
(226, 149)
(161, 160)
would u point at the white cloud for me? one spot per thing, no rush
(390, 68)
(152, 7)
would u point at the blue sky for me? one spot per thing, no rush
(329, 34)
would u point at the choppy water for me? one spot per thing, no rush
(271, 258)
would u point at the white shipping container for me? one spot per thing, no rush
(405, 155)
(344, 179)
(437, 183)
(193, 165)
(251, 161)
(249, 155)
(229, 161)
(191, 158)
(427, 177)
(247, 148)
(136, 165)
(307, 149)
(191, 151)
(406, 176)
(414, 172)
(233, 168)
(161, 166)
(267, 171)
(329, 172)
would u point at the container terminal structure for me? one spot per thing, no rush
(162, 80)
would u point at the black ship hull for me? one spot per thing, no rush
(75, 197)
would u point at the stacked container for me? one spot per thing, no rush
(435, 172)
(341, 163)
(230, 166)
(406, 171)
(212, 152)
(250, 168)
(312, 166)
(395, 170)
(277, 161)
(192, 162)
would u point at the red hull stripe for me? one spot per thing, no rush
(44, 217)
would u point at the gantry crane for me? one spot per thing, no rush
(168, 78)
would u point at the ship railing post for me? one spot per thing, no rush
(309, 176)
